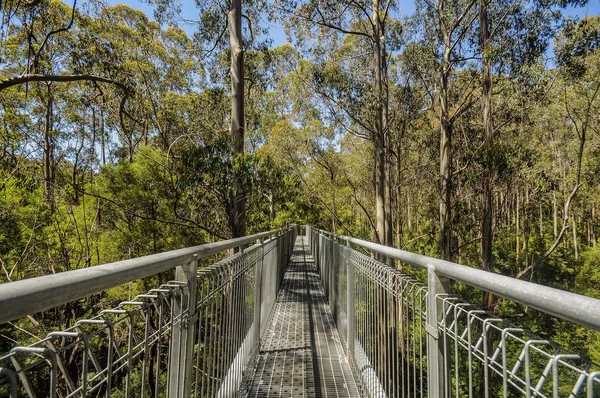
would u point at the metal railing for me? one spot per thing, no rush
(194, 334)
(197, 331)
(410, 338)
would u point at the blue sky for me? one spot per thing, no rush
(278, 35)
(591, 9)
(190, 12)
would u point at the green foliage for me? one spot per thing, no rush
(576, 43)
(588, 276)
(91, 173)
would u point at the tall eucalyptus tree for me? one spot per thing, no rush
(512, 35)
(216, 18)
(325, 25)
(445, 26)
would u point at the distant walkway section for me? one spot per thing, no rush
(301, 354)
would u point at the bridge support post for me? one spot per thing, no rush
(317, 253)
(437, 363)
(351, 316)
(258, 285)
(181, 351)
(332, 269)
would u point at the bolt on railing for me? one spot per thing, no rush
(193, 335)
(412, 338)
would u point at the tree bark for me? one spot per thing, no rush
(541, 221)
(517, 244)
(445, 147)
(526, 226)
(49, 150)
(408, 215)
(487, 260)
(333, 205)
(555, 216)
(589, 233)
(592, 227)
(378, 136)
(389, 236)
(102, 138)
(575, 246)
(237, 220)
(398, 195)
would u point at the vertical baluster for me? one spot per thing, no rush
(436, 362)
(350, 306)
(182, 339)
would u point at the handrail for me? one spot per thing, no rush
(573, 307)
(28, 296)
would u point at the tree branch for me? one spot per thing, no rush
(50, 34)
(373, 226)
(14, 81)
(330, 26)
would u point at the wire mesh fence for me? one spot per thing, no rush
(403, 340)
(197, 333)
(230, 322)
(193, 335)
(117, 352)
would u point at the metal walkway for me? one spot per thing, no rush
(301, 354)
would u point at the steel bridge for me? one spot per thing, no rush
(293, 312)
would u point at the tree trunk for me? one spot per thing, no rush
(272, 213)
(555, 215)
(517, 245)
(589, 233)
(575, 246)
(445, 151)
(592, 227)
(510, 214)
(49, 150)
(378, 137)
(389, 237)
(398, 196)
(541, 221)
(488, 132)
(408, 215)
(234, 21)
(102, 138)
(333, 215)
(130, 149)
(92, 146)
(526, 226)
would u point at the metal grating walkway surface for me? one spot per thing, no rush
(301, 354)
